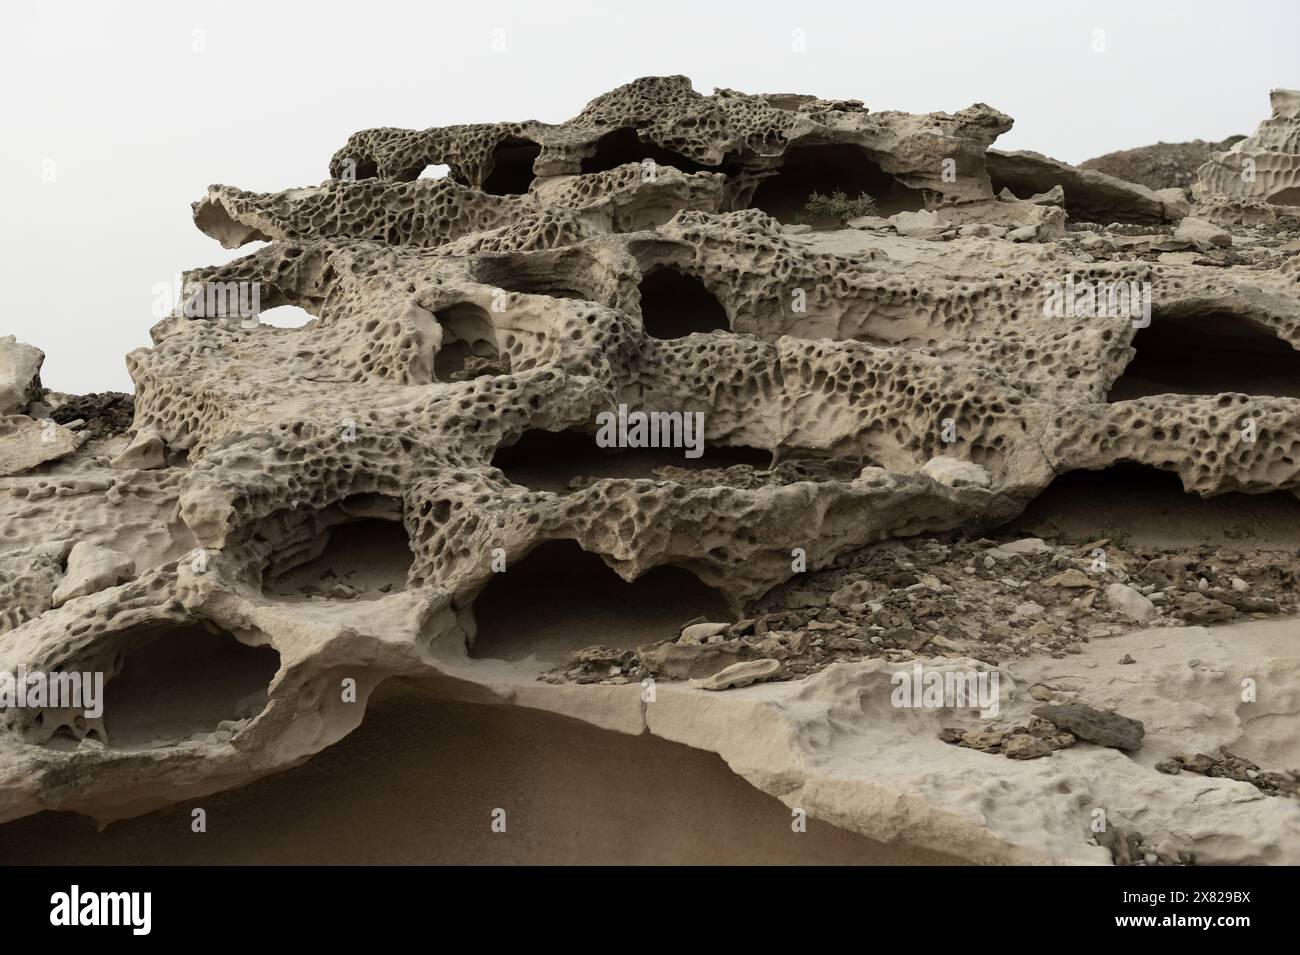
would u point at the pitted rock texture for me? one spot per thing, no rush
(410, 486)
(1250, 181)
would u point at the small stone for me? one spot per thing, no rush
(918, 225)
(1072, 579)
(1024, 746)
(146, 452)
(1130, 603)
(1204, 235)
(1200, 763)
(739, 674)
(983, 740)
(1126, 659)
(955, 472)
(1169, 767)
(1026, 545)
(1094, 725)
(698, 633)
(1197, 608)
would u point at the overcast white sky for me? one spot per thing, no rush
(135, 123)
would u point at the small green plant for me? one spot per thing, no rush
(1117, 537)
(839, 207)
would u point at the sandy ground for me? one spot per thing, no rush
(418, 781)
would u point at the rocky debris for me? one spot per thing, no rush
(1161, 166)
(1093, 725)
(1036, 739)
(1130, 847)
(677, 661)
(1226, 765)
(602, 664)
(105, 413)
(740, 674)
(92, 568)
(984, 599)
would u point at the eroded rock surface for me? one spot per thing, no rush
(904, 430)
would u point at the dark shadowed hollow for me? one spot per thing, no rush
(467, 334)
(1151, 508)
(674, 305)
(1208, 355)
(549, 460)
(623, 145)
(512, 167)
(184, 680)
(560, 599)
(417, 783)
(370, 555)
(829, 168)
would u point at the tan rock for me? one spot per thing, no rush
(740, 674)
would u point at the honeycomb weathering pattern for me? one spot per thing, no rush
(277, 434)
(1264, 167)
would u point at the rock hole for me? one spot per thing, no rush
(512, 167)
(561, 598)
(285, 316)
(359, 550)
(469, 345)
(1208, 354)
(565, 461)
(621, 146)
(826, 169)
(529, 274)
(1150, 508)
(674, 305)
(184, 680)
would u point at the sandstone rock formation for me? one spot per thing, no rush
(409, 488)
(1258, 178)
